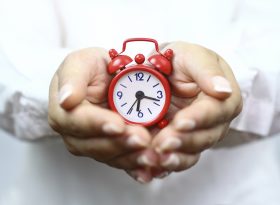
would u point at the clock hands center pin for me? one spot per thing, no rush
(139, 95)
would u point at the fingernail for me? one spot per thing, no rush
(171, 162)
(65, 91)
(136, 141)
(191, 86)
(111, 129)
(145, 161)
(169, 143)
(162, 175)
(137, 177)
(185, 124)
(221, 84)
(141, 180)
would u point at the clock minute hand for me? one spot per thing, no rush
(150, 98)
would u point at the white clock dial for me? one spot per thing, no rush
(139, 96)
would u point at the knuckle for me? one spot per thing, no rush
(73, 127)
(209, 141)
(54, 124)
(187, 162)
(212, 54)
(204, 141)
(70, 57)
(89, 55)
(224, 132)
(192, 160)
(74, 152)
(225, 113)
(211, 112)
(74, 55)
(97, 153)
(239, 106)
(234, 108)
(119, 164)
(71, 147)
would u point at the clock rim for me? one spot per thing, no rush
(157, 74)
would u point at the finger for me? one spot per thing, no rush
(100, 149)
(236, 95)
(137, 137)
(78, 71)
(142, 176)
(189, 142)
(87, 120)
(206, 112)
(104, 149)
(166, 140)
(201, 66)
(134, 160)
(184, 89)
(177, 161)
(160, 173)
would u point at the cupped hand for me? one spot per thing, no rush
(78, 111)
(206, 97)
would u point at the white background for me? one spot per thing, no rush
(45, 173)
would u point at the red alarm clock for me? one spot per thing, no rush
(140, 92)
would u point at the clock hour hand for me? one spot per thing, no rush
(138, 105)
(131, 108)
(150, 98)
(139, 95)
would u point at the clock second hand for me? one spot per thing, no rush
(131, 108)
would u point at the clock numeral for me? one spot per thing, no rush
(140, 114)
(159, 96)
(119, 94)
(139, 76)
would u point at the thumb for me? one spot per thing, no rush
(203, 67)
(76, 73)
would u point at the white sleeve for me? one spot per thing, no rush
(30, 51)
(260, 87)
(252, 50)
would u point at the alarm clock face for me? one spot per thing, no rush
(140, 95)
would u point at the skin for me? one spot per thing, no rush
(83, 116)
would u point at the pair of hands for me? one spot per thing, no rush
(205, 98)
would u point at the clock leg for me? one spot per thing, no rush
(163, 123)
